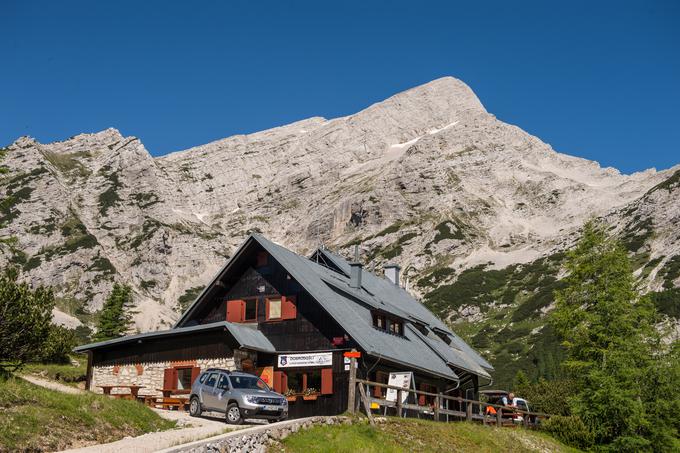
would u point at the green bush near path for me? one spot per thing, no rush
(406, 435)
(33, 418)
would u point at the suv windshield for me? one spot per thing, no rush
(248, 382)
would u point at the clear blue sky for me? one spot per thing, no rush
(596, 79)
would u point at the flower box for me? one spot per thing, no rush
(311, 397)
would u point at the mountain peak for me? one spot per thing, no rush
(446, 93)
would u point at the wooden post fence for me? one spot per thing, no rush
(367, 404)
(465, 411)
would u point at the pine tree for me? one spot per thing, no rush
(520, 382)
(614, 352)
(25, 316)
(115, 317)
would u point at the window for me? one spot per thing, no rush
(184, 378)
(387, 324)
(250, 312)
(273, 308)
(380, 322)
(202, 378)
(181, 377)
(314, 380)
(396, 327)
(248, 383)
(321, 380)
(296, 381)
(223, 383)
(211, 380)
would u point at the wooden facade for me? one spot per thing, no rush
(257, 292)
(180, 348)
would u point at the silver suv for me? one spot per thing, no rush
(238, 395)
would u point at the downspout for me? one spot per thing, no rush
(488, 384)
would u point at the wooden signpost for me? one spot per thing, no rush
(351, 395)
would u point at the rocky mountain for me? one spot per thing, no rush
(476, 211)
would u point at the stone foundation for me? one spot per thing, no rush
(260, 439)
(150, 374)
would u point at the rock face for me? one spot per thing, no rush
(427, 178)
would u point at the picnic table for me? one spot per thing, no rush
(168, 401)
(134, 390)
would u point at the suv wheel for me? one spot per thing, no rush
(195, 407)
(234, 414)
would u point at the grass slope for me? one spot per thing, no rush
(36, 419)
(63, 373)
(401, 435)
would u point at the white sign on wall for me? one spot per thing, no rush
(313, 359)
(403, 380)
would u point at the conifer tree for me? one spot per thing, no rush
(621, 369)
(115, 317)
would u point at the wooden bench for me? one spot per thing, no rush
(133, 395)
(169, 403)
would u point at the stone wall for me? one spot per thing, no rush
(259, 439)
(150, 374)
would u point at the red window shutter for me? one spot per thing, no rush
(284, 382)
(261, 259)
(278, 377)
(235, 310)
(170, 378)
(326, 381)
(195, 371)
(288, 307)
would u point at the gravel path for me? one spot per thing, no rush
(191, 429)
(52, 385)
(188, 429)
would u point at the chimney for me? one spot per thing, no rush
(355, 273)
(392, 273)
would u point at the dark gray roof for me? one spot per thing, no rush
(245, 335)
(403, 302)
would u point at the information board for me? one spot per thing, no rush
(403, 380)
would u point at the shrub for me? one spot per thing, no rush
(548, 396)
(25, 316)
(58, 345)
(570, 429)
